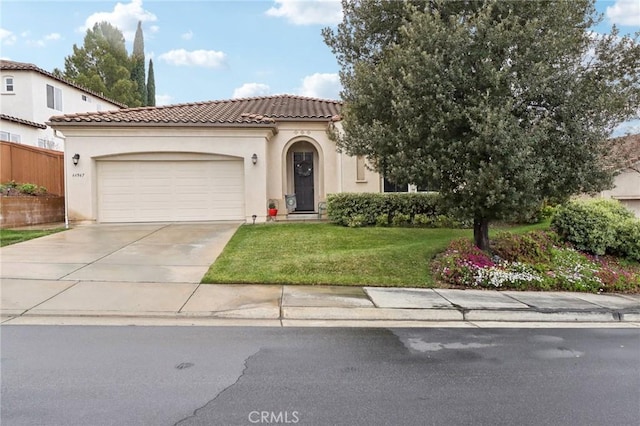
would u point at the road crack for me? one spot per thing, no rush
(213, 400)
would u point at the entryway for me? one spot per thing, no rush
(303, 176)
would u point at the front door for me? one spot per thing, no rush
(303, 180)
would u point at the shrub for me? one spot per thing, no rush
(400, 219)
(590, 225)
(356, 221)
(371, 207)
(423, 220)
(532, 261)
(627, 240)
(29, 188)
(382, 220)
(532, 247)
(22, 188)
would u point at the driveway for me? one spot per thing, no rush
(180, 253)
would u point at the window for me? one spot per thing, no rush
(54, 98)
(8, 84)
(360, 169)
(86, 98)
(393, 187)
(47, 143)
(11, 137)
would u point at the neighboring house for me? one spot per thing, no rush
(627, 182)
(219, 160)
(30, 95)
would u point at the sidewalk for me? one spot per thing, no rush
(30, 301)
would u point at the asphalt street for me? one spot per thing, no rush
(53, 375)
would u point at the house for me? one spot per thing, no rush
(219, 160)
(626, 155)
(30, 95)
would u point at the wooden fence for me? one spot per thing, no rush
(28, 164)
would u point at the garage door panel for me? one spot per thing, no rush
(146, 191)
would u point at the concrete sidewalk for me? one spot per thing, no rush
(32, 301)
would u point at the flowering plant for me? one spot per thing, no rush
(535, 262)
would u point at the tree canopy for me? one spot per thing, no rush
(103, 65)
(498, 105)
(151, 86)
(138, 72)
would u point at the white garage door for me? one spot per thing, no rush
(167, 191)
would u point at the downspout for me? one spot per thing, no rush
(341, 174)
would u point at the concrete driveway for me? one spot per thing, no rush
(179, 253)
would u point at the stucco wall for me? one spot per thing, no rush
(269, 178)
(28, 101)
(627, 189)
(333, 172)
(101, 143)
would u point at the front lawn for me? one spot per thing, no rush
(323, 253)
(9, 236)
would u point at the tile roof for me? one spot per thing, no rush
(23, 66)
(22, 121)
(260, 111)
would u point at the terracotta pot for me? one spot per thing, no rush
(273, 212)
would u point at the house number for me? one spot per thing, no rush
(78, 175)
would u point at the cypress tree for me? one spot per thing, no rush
(138, 69)
(151, 86)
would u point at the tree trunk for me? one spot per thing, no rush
(481, 233)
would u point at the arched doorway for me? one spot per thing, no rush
(302, 175)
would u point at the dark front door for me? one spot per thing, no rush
(303, 180)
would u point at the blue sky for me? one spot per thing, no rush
(212, 49)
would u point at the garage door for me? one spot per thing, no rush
(168, 191)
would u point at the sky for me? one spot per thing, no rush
(215, 49)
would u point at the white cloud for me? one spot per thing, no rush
(163, 100)
(624, 12)
(198, 58)
(187, 36)
(324, 86)
(307, 12)
(44, 40)
(249, 90)
(52, 37)
(124, 16)
(7, 37)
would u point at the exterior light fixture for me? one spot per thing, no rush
(254, 158)
(254, 217)
(76, 159)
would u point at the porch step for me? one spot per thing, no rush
(303, 217)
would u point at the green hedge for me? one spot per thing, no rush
(599, 226)
(390, 209)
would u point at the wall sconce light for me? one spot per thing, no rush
(254, 158)
(76, 159)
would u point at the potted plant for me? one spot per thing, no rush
(273, 210)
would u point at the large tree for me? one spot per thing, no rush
(138, 72)
(102, 64)
(151, 86)
(499, 105)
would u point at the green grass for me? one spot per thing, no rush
(322, 253)
(9, 236)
